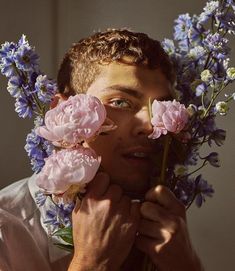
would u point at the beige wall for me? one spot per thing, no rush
(52, 26)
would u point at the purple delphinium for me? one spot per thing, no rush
(37, 149)
(8, 67)
(15, 86)
(38, 121)
(168, 46)
(202, 190)
(200, 89)
(213, 159)
(227, 20)
(6, 49)
(184, 190)
(208, 11)
(59, 216)
(25, 58)
(189, 189)
(192, 157)
(45, 88)
(32, 91)
(197, 52)
(218, 136)
(216, 45)
(24, 106)
(182, 26)
(40, 198)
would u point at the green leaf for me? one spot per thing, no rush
(65, 234)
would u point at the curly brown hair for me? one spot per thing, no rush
(80, 66)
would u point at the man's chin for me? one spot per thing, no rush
(134, 188)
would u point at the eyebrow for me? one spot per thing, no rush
(128, 90)
(134, 92)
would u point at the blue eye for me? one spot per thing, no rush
(120, 103)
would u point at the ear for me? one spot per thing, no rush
(58, 98)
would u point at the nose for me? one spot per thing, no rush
(142, 125)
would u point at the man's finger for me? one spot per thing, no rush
(154, 212)
(99, 185)
(167, 199)
(148, 245)
(152, 229)
(135, 210)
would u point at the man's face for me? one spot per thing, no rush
(127, 152)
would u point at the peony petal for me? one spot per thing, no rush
(45, 133)
(68, 167)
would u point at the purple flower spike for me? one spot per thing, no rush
(203, 190)
(25, 58)
(45, 88)
(182, 26)
(15, 86)
(24, 106)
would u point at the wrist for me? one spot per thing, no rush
(86, 264)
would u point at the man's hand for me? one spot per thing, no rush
(163, 233)
(104, 227)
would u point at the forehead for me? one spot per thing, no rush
(148, 82)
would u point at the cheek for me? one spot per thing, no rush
(108, 146)
(119, 116)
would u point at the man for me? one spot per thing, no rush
(112, 230)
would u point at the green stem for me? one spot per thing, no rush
(191, 202)
(214, 96)
(168, 140)
(150, 109)
(204, 163)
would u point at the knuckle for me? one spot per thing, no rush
(160, 189)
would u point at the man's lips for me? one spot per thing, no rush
(138, 151)
(138, 155)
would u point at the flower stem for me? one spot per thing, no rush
(203, 164)
(213, 98)
(150, 109)
(168, 140)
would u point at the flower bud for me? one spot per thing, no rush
(231, 73)
(192, 109)
(206, 76)
(180, 170)
(222, 108)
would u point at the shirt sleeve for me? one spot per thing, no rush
(18, 249)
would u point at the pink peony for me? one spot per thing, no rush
(73, 121)
(68, 167)
(168, 116)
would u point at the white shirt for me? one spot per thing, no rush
(25, 244)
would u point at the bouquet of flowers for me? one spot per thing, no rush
(200, 55)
